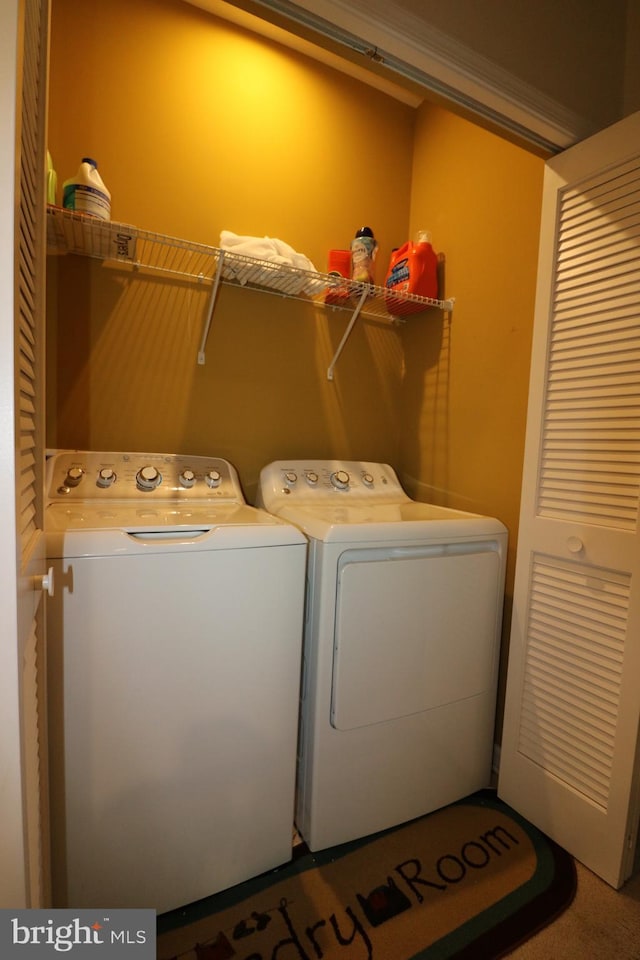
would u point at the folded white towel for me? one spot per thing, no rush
(264, 248)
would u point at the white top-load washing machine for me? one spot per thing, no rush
(174, 645)
(402, 637)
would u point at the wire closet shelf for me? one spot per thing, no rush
(75, 233)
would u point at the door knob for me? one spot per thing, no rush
(47, 582)
(575, 545)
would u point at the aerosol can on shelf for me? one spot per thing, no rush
(364, 248)
(86, 192)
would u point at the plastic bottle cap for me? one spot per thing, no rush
(364, 232)
(89, 160)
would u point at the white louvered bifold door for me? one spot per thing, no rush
(29, 380)
(570, 750)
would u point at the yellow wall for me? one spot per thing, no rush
(465, 386)
(199, 126)
(466, 376)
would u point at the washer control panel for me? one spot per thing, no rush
(312, 481)
(85, 475)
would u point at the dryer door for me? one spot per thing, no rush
(415, 628)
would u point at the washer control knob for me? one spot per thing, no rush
(148, 478)
(73, 477)
(291, 477)
(368, 479)
(340, 479)
(106, 477)
(312, 477)
(187, 478)
(212, 479)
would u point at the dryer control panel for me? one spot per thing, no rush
(314, 481)
(87, 475)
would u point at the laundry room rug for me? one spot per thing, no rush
(469, 882)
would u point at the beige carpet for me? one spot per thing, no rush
(601, 924)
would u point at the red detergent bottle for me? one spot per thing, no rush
(413, 269)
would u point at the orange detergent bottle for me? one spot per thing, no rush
(413, 269)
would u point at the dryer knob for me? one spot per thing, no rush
(187, 478)
(340, 479)
(212, 478)
(291, 477)
(148, 478)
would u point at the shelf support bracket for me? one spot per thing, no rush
(212, 303)
(347, 333)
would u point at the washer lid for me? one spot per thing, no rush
(84, 529)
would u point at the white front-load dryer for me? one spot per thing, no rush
(401, 649)
(174, 646)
